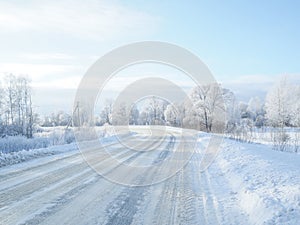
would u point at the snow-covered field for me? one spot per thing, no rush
(246, 184)
(269, 136)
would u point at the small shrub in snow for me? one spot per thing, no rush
(19, 143)
(69, 136)
(280, 140)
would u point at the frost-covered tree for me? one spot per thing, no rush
(156, 109)
(191, 119)
(152, 111)
(295, 106)
(16, 106)
(106, 112)
(120, 114)
(233, 114)
(59, 118)
(208, 103)
(255, 111)
(172, 116)
(278, 104)
(255, 107)
(279, 111)
(243, 109)
(134, 115)
(143, 118)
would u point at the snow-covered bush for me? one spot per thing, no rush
(296, 141)
(47, 137)
(19, 143)
(25, 155)
(280, 139)
(69, 136)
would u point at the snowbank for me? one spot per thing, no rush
(14, 157)
(266, 182)
(24, 155)
(19, 143)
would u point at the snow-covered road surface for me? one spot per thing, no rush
(246, 184)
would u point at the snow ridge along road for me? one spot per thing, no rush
(65, 190)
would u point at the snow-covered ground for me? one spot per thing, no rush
(266, 183)
(269, 136)
(246, 184)
(53, 140)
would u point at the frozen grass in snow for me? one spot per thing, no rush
(18, 149)
(19, 143)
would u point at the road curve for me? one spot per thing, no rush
(65, 190)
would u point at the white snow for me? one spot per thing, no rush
(266, 182)
(246, 184)
(14, 157)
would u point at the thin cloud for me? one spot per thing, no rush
(260, 79)
(46, 56)
(249, 79)
(36, 71)
(60, 83)
(100, 20)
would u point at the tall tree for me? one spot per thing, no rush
(209, 102)
(278, 104)
(16, 106)
(172, 116)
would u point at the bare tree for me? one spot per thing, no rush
(16, 106)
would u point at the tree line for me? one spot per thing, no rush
(280, 109)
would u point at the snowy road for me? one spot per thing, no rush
(63, 189)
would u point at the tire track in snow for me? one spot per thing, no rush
(187, 199)
(122, 210)
(61, 186)
(24, 195)
(81, 196)
(32, 202)
(166, 206)
(92, 208)
(124, 207)
(33, 170)
(210, 208)
(19, 190)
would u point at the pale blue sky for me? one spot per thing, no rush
(246, 44)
